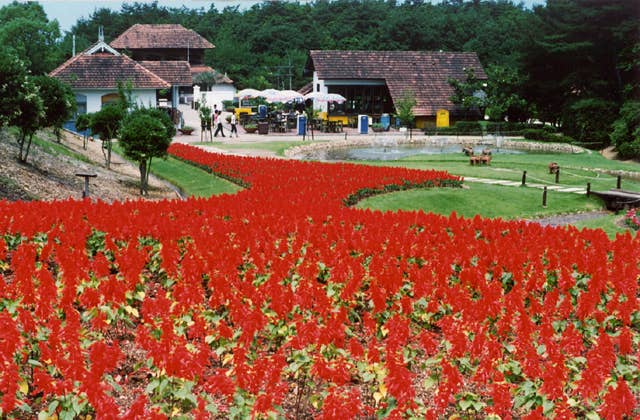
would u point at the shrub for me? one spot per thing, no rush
(468, 127)
(632, 219)
(543, 134)
(629, 150)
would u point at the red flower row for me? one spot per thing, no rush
(282, 298)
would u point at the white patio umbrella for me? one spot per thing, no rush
(325, 97)
(249, 93)
(285, 96)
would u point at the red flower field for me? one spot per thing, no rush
(284, 301)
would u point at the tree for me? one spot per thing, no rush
(583, 52)
(12, 78)
(59, 102)
(404, 110)
(83, 122)
(145, 134)
(28, 118)
(589, 121)
(25, 29)
(503, 94)
(105, 124)
(626, 131)
(470, 94)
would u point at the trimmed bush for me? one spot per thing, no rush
(543, 134)
(629, 150)
(468, 127)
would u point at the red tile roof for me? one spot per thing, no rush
(423, 73)
(141, 36)
(104, 71)
(221, 79)
(178, 73)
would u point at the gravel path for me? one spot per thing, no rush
(567, 219)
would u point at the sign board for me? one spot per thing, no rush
(442, 118)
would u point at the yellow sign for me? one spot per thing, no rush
(442, 118)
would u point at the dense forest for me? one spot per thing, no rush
(573, 63)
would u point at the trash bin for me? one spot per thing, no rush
(363, 124)
(385, 120)
(263, 127)
(262, 111)
(302, 125)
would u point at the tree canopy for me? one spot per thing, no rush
(146, 133)
(26, 30)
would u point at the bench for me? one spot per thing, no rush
(478, 160)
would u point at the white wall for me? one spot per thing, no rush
(218, 94)
(143, 97)
(322, 106)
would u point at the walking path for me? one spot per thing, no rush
(559, 188)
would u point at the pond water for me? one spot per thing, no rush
(394, 152)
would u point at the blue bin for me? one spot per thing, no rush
(262, 111)
(363, 124)
(302, 125)
(385, 120)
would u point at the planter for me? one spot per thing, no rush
(251, 129)
(186, 130)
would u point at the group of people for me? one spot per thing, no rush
(217, 123)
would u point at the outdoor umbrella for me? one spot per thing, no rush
(249, 93)
(281, 95)
(325, 97)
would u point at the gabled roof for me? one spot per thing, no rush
(103, 70)
(177, 73)
(142, 36)
(220, 78)
(423, 73)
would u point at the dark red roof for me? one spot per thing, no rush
(177, 73)
(104, 71)
(220, 78)
(141, 36)
(423, 73)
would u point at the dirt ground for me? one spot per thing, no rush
(50, 176)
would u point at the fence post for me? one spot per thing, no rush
(588, 189)
(558, 176)
(619, 182)
(544, 197)
(524, 178)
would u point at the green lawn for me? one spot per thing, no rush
(485, 200)
(191, 180)
(610, 223)
(576, 170)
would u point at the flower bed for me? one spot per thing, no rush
(282, 300)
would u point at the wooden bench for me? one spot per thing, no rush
(480, 160)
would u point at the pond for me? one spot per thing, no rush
(394, 152)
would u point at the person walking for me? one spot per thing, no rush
(217, 120)
(233, 122)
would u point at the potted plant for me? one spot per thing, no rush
(250, 128)
(186, 130)
(377, 127)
